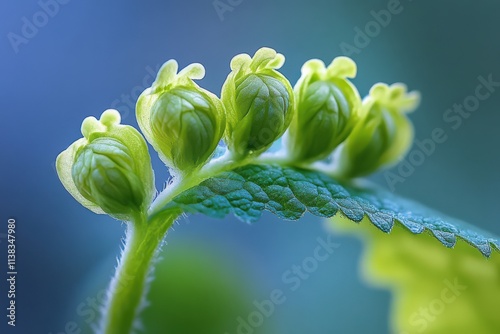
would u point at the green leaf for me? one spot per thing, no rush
(435, 289)
(290, 192)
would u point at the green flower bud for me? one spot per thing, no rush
(182, 121)
(109, 170)
(383, 135)
(258, 101)
(327, 109)
(103, 173)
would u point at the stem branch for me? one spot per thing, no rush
(129, 285)
(144, 237)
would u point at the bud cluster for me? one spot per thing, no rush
(322, 117)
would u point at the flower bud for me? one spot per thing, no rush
(109, 170)
(327, 109)
(103, 173)
(182, 121)
(384, 134)
(258, 102)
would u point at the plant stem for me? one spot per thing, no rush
(128, 287)
(214, 167)
(144, 236)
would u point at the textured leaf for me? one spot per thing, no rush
(289, 193)
(436, 290)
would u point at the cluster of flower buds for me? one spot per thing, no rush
(109, 170)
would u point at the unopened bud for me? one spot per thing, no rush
(104, 173)
(327, 109)
(385, 133)
(182, 121)
(109, 170)
(258, 101)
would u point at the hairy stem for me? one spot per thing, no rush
(144, 236)
(128, 287)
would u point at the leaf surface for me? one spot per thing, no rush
(289, 192)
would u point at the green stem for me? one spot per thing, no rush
(144, 236)
(224, 163)
(129, 285)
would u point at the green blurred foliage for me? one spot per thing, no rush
(435, 289)
(197, 290)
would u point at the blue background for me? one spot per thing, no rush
(91, 52)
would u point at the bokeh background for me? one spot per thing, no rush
(92, 55)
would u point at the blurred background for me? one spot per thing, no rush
(64, 60)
